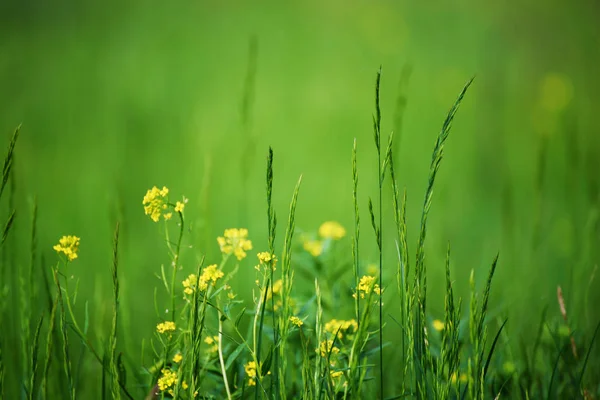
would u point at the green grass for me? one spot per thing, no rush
(364, 331)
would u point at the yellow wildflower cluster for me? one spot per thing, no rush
(329, 230)
(438, 325)
(154, 203)
(179, 206)
(69, 245)
(165, 327)
(462, 378)
(332, 230)
(210, 275)
(167, 379)
(314, 247)
(277, 286)
(250, 369)
(235, 241)
(336, 374)
(266, 260)
(213, 342)
(296, 321)
(367, 285)
(339, 328)
(327, 348)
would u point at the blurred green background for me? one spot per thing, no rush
(116, 97)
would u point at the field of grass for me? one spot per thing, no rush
(233, 201)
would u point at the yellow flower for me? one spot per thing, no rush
(314, 247)
(168, 379)
(266, 259)
(177, 358)
(338, 328)
(190, 284)
(367, 285)
(296, 321)
(462, 378)
(154, 203)
(336, 374)
(184, 385)
(326, 348)
(213, 342)
(68, 245)
(168, 216)
(163, 327)
(438, 325)
(235, 241)
(250, 369)
(332, 230)
(179, 206)
(210, 274)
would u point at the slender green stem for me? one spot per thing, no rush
(221, 360)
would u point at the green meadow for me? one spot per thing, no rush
(318, 200)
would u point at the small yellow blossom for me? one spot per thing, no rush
(163, 327)
(190, 284)
(69, 245)
(336, 374)
(367, 285)
(438, 325)
(184, 385)
(177, 358)
(235, 241)
(167, 380)
(179, 206)
(250, 369)
(332, 230)
(231, 295)
(267, 260)
(338, 328)
(168, 216)
(211, 274)
(296, 321)
(213, 342)
(154, 202)
(314, 247)
(462, 378)
(326, 348)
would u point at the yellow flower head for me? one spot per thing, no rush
(296, 321)
(250, 369)
(235, 241)
(190, 284)
(154, 203)
(164, 327)
(177, 358)
(267, 260)
(326, 348)
(179, 206)
(367, 285)
(68, 245)
(332, 230)
(336, 374)
(210, 274)
(167, 379)
(438, 325)
(340, 328)
(314, 247)
(213, 342)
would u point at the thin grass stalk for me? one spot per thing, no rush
(34, 359)
(318, 373)
(287, 281)
(112, 367)
(271, 228)
(355, 239)
(8, 159)
(221, 359)
(65, 338)
(49, 348)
